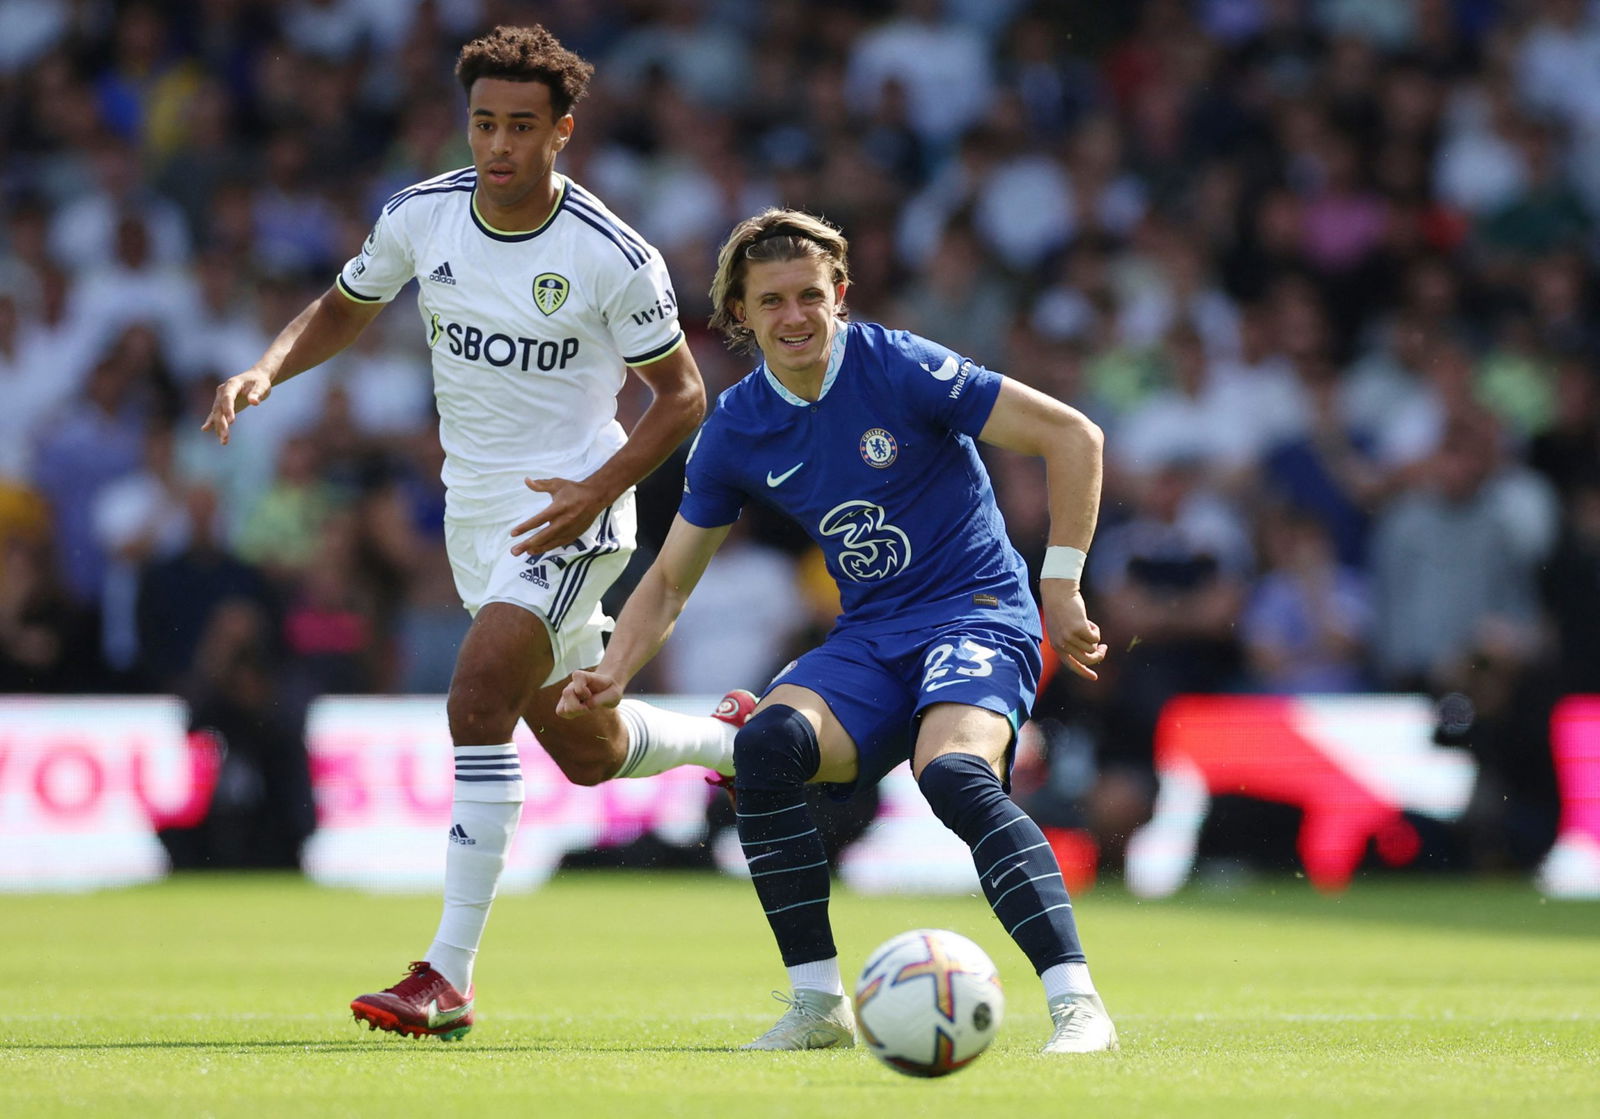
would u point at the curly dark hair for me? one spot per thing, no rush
(526, 54)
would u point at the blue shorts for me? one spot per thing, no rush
(876, 685)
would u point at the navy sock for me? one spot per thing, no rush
(1015, 864)
(774, 755)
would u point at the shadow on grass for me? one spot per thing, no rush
(376, 1046)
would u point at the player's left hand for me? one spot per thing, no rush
(572, 509)
(1073, 636)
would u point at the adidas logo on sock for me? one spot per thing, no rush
(458, 834)
(443, 275)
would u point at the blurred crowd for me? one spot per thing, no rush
(1325, 271)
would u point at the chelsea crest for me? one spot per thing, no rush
(878, 448)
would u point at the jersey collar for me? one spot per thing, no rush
(523, 234)
(835, 360)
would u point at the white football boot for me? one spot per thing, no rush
(1082, 1026)
(814, 1020)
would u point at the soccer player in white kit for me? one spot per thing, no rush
(536, 300)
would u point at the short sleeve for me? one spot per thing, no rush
(709, 501)
(642, 311)
(382, 267)
(939, 384)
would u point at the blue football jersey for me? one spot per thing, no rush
(882, 472)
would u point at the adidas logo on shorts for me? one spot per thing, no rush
(442, 275)
(535, 573)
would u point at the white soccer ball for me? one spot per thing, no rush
(929, 1002)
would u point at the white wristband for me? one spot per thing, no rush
(1061, 562)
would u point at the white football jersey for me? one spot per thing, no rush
(531, 332)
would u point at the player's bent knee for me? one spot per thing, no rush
(956, 785)
(581, 750)
(586, 772)
(776, 749)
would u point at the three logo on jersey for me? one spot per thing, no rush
(872, 548)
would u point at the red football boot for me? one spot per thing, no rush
(423, 1004)
(735, 710)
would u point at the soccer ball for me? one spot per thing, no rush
(929, 1002)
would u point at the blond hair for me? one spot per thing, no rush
(772, 235)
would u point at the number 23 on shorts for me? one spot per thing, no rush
(948, 663)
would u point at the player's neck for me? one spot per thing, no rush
(531, 212)
(806, 384)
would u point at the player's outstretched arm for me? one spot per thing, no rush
(1032, 423)
(328, 324)
(647, 618)
(678, 406)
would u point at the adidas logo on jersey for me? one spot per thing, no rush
(442, 275)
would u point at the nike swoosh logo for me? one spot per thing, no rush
(777, 480)
(995, 879)
(942, 684)
(436, 1019)
(945, 372)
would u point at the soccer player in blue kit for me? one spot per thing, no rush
(864, 435)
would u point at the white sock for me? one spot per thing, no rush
(659, 740)
(821, 975)
(483, 819)
(1066, 979)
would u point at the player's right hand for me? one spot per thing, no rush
(1074, 637)
(588, 691)
(238, 392)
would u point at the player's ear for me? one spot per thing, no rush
(563, 131)
(736, 309)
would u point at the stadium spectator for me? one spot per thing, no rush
(960, 295)
(1567, 452)
(261, 810)
(38, 372)
(132, 287)
(178, 596)
(1450, 577)
(1170, 580)
(138, 519)
(1327, 469)
(48, 638)
(282, 531)
(944, 68)
(81, 229)
(1305, 627)
(86, 447)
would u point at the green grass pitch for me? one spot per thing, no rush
(609, 994)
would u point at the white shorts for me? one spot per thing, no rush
(562, 587)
